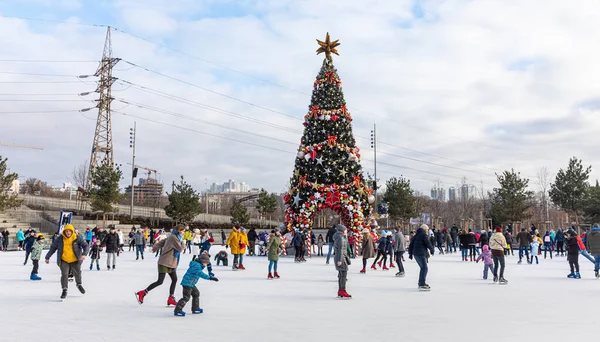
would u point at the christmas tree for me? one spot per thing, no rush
(327, 172)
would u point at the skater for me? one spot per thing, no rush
(573, 254)
(351, 241)
(509, 243)
(221, 257)
(498, 246)
(243, 247)
(418, 247)
(189, 281)
(274, 248)
(368, 248)
(560, 242)
(524, 239)
(196, 241)
(36, 254)
(341, 259)
(464, 245)
(20, 239)
(234, 242)
(88, 235)
(298, 243)
(121, 240)
(329, 240)
(320, 243)
(71, 253)
(593, 245)
(472, 241)
(95, 255)
(140, 244)
(547, 244)
(132, 239)
(439, 239)
(167, 263)
(382, 248)
(252, 236)
(187, 239)
(223, 238)
(535, 246)
(205, 245)
(399, 249)
(28, 245)
(5, 235)
(111, 243)
(162, 235)
(486, 255)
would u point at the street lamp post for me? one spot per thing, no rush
(206, 185)
(132, 132)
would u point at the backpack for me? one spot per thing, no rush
(547, 238)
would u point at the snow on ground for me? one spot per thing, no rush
(538, 302)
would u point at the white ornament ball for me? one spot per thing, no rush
(328, 117)
(321, 117)
(371, 199)
(351, 156)
(300, 154)
(307, 156)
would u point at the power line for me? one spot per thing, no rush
(42, 111)
(51, 21)
(36, 74)
(39, 82)
(38, 100)
(44, 61)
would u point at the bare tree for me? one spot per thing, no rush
(544, 184)
(79, 175)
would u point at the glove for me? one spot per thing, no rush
(213, 279)
(410, 257)
(226, 246)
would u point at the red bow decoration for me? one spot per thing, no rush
(313, 154)
(331, 140)
(314, 112)
(317, 83)
(357, 181)
(344, 109)
(302, 180)
(332, 198)
(329, 76)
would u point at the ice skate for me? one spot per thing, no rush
(34, 277)
(64, 294)
(276, 275)
(80, 288)
(571, 275)
(197, 311)
(179, 314)
(171, 301)
(373, 267)
(424, 288)
(385, 268)
(503, 281)
(241, 267)
(363, 271)
(597, 274)
(140, 296)
(400, 274)
(577, 275)
(343, 294)
(270, 276)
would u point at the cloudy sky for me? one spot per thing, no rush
(219, 88)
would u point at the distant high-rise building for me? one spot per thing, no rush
(229, 186)
(452, 194)
(464, 191)
(438, 194)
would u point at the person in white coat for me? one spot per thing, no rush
(121, 239)
(196, 242)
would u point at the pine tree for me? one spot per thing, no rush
(511, 201)
(184, 203)
(105, 192)
(327, 170)
(8, 199)
(239, 213)
(570, 188)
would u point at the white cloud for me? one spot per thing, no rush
(453, 83)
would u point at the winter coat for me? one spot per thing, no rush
(382, 244)
(553, 236)
(524, 239)
(535, 247)
(340, 248)
(111, 242)
(486, 255)
(187, 235)
(139, 238)
(274, 248)
(79, 245)
(329, 236)
(20, 236)
(252, 236)
(484, 239)
(170, 248)
(88, 235)
(298, 240)
(464, 242)
(36, 250)
(560, 236)
(498, 242)
(399, 242)
(196, 241)
(205, 245)
(593, 242)
(368, 246)
(419, 244)
(95, 252)
(234, 241)
(547, 240)
(243, 242)
(471, 239)
(508, 237)
(29, 243)
(121, 238)
(439, 236)
(193, 274)
(572, 246)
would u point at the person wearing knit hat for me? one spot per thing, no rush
(418, 247)
(274, 248)
(205, 245)
(36, 254)
(189, 281)
(341, 259)
(498, 245)
(368, 248)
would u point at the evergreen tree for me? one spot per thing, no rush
(570, 188)
(511, 201)
(8, 199)
(266, 203)
(591, 209)
(400, 199)
(239, 213)
(184, 203)
(105, 191)
(327, 171)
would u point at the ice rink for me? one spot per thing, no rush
(539, 303)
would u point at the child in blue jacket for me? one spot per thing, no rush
(191, 277)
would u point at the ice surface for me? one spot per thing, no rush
(539, 302)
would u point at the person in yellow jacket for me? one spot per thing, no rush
(243, 246)
(234, 242)
(72, 250)
(187, 239)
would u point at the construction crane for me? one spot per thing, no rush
(146, 168)
(155, 219)
(5, 144)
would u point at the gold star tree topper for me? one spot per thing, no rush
(328, 47)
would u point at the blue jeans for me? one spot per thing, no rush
(422, 262)
(139, 249)
(241, 259)
(521, 249)
(597, 263)
(465, 252)
(272, 265)
(487, 267)
(330, 251)
(588, 256)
